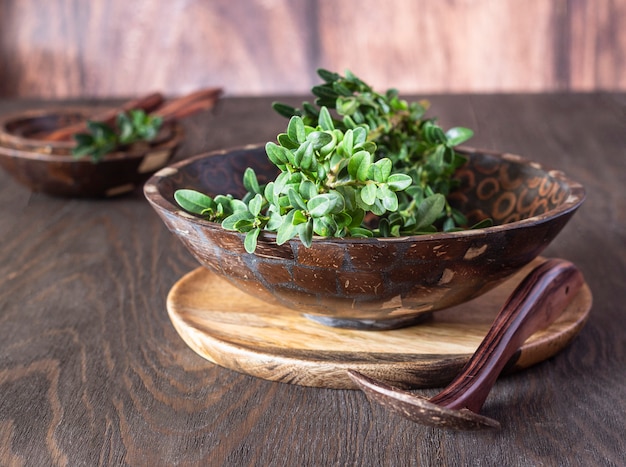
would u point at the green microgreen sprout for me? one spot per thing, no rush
(102, 139)
(355, 163)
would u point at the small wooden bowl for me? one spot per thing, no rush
(49, 167)
(376, 283)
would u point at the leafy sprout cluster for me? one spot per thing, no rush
(102, 138)
(355, 163)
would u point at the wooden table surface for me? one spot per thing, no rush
(93, 373)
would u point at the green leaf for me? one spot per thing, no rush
(357, 217)
(324, 204)
(359, 165)
(125, 127)
(305, 157)
(384, 228)
(231, 221)
(325, 120)
(434, 134)
(368, 193)
(299, 217)
(325, 92)
(268, 192)
(250, 241)
(285, 142)
(193, 201)
(360, 135)
(274, 222)
(280, 183)
(309, 110)
(250, 181)
(307, 189)
(348, 141)
(295, 199)
(278, 155)
(378, 208)
(296, 131)
(284, 109)
(319, 139)
(399, 182)
(305, 232)
(448, 225)
(324, 226)
(458, 135)
(388, 198)
(380, 170)
(255, 205)
(342, 89)
(101, 130)
(244, 225)
(347, 105)
(83, 139)
(429, 210)
(360, 232)
(235, 204)
(287, 230)
(328, 76)
(343, 220)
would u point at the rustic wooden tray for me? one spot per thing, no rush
(237, 331)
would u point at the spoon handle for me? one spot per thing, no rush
(538, 300)
(148, 103)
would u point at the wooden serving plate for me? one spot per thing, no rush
(239, 332)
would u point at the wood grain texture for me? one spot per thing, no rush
(62, 48)
(245, 334)
(93, 373)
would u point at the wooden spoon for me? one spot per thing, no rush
(153, 104)
(147, 103)
(536, 302)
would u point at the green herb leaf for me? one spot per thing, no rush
(429, 210)
(382, 164)
(458, 135)
(295, 130)
(325, 120)
(305, 233)
(250, 241)
(193, 201)
(324, 204)
(399, 182)
(359, 165)
(231, 221)
(250, 181)
(368, 194)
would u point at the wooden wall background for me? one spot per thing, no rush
(67, 48)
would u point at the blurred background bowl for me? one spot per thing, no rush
(376, 283)
(49, 167)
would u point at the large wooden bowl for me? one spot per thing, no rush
(49, 167)
(376, 283)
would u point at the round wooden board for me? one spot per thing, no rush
(237, 331)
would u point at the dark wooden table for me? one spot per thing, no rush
(93, 373)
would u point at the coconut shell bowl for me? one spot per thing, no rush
(375, 283)
(48, 166)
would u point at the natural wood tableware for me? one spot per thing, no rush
(153, 104)
(243, 333)
(187, 105)
(148, 103)
(536, 302)
(375, 283)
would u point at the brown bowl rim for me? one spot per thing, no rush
(575, 198)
